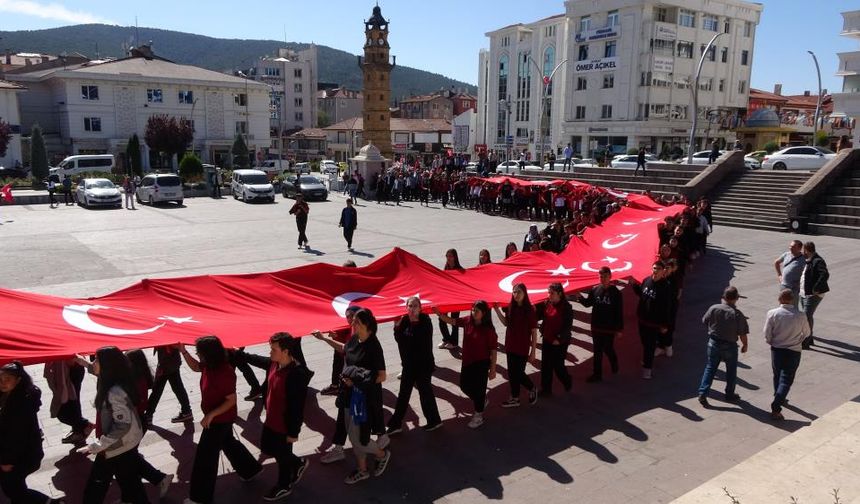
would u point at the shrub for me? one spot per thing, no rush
(632, 151)
(771, 147)
(5, 137)
(38, 155)
(822, 139)
(190, 168)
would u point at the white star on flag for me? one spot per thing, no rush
(610, 260)
(179, 320)
(561, 270)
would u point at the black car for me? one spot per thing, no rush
(309, 186)
(6, 173)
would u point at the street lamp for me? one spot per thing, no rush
(506, 102)
(545, 81)
(818, 103)
(696, 97)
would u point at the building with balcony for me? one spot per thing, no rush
(846, 103)
(339, 104)
(415, 137)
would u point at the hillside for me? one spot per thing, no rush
(216, 54)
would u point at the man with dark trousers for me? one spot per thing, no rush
(726, 324)
(607, 321)
(813, 286)
(784, 330)
(348, 221)
(301, 209)
(654, 313)
(640, 162)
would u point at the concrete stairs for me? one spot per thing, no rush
(837, 211)
(665, 178)
(756, 199)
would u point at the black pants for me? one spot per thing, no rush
(70, 411)
(604, 344)
(242, 365)
(450, 336)
(122, 467)
(336, 367)
(339, 437)
(420, 380)
(67, 196)
(302, 225)
(638, 164)
(175, 381)
(347, 235)
(517, 374)
(648, 336)
(473, 383)
(14, 486)
(215, 438)
(51, 196)
(276, 445)
(552, 362)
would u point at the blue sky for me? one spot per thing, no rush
(441, 36)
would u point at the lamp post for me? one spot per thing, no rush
(546, 81)
(506, 102)
(818, 103)
(696, 97)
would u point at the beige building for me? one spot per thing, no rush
(339, 104)
(847, 103)
(427, 107)
(9, 114)
(407, 136)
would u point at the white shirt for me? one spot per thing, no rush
(786, 327)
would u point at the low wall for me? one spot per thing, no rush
(703, 183)
(803, 198)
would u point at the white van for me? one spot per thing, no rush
(250, 185)
(275, 166)
(75, 165)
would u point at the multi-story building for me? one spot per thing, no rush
(292, 80)
(12, 61)
(339, 104)
(630, 70)
(10, 115)
(95, 107)
(511, 87)
(463, 102)
(427, 107)
(847, 103)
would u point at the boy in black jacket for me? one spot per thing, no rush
(607, 321)
(654, 313)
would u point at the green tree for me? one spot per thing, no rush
(323, 120)
(38, 155)
(190, 168)
(132, 152)
(5, 137)
(771, 147)
(822, 139)
(167, 135)
(240, 153)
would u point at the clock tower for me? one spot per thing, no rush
(376, 68)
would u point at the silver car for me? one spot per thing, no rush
(98, 192)
(158, 188)
(307, 185)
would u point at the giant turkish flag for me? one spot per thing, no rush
(247, 309)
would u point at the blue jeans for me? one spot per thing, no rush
(785, 363)
(720, 351)
(808, 305)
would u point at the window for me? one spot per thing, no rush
(727, 26)
(186, 97)
(722, 85)
(241, 127)
(298, 87)
(580, 111)
(606, 112)
(710, 23)
(661, 14)
(273, 72)
(645, 79)
(748, 29)
(687, 18)
(581, 83)
(297, 73)
(298, 102)
(712, 52)
(685, 50)
(612, 18)
(503, 76)
(608, 81)
(240, 99)
(548, 65)
(90, 92)
(549, 31)
(154, 96)
(663, 46)
(506, 41)
(745, 57)
(742, 87)
(706, 84)
(724, 55)
(584, 23)
(609, 51)
(583, 53)
(300, 116)
(92, 124)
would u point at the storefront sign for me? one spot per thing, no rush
(596, 65)
(597, 130)
(598, 34)
(663, 64)
(665, 32)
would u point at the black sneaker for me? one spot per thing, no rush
(703, 400)
(331, 390)
(254, 394)
(533, 396)
(277, 493)
(251, 476)
(183, 416)
(432, 427)
(300, 471)
(391, 431)
(733, 398)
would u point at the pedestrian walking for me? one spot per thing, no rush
(301, 209)
(789, 268)
(167, 368)
(219, 180)
(813, 285)
(654, 313)
(715, 152)
(568, 155)
(67, 191)
(52, 186)
(785, 329)
(726, 324)
(64, 378)
(348, 221)
(607, 322)
(128, 188)
(520, 321)
(640, 162)
(556, 317)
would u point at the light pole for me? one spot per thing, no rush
(818, 103)
(696, 97)
(506, 102)
(546, 80)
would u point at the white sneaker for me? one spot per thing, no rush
(669, 351)
(476, 421)
(164, 485)
(400, 375)
(646, 374)
(659, 351)
(333, 455)
(442, 346)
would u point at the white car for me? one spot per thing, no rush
(586, 163)
(798, 158)
(703, 158)
(557, 165)
(160, 187)
(98, 192)
(251, 185)
(630, 160)
(508, 167)
(329, 166)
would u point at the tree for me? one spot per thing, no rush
(822, 139)
(5, 137)
(323, 120)
(190, 168)
(771, 147)
(38, 155)
(132, 151)
(240, 153)
(167, 135)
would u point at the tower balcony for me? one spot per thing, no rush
(851, 24)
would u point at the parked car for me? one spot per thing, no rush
(98, 192)
(508, 167)
(798, 158)
(308, 186)
(586, 163)
(757, 155)
(7, 173)
(251, 185)
(329, 166)
(159, 187)
(556, 165)
(630, 160)
(275, 166)
(703, 158)
(302, 168)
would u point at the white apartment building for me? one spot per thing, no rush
(95, 107)
(847, 103)
(291, 77)
(630, 69)
(9, 114)
(510, 86)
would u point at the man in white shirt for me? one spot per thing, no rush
(784, 330)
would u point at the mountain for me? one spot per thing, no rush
(101, 40)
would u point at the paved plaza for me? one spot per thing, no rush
(623, 440)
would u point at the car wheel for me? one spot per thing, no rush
(235, 197)
(151, 203)
(179, 202)
(137, 197)
(780, 166)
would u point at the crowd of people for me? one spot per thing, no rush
(127, 393)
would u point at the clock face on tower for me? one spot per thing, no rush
(369, 41)
(380, 41)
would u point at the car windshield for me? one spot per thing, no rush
(309, 180)
(100, 184)
(825, 151)
(255, 179)
(169, 181)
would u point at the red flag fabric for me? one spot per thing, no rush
(247, 309)
(6, 192)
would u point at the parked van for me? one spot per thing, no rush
(275, 166)
(75, 165)
(159, 187)
(250, 185)
(303, 168)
